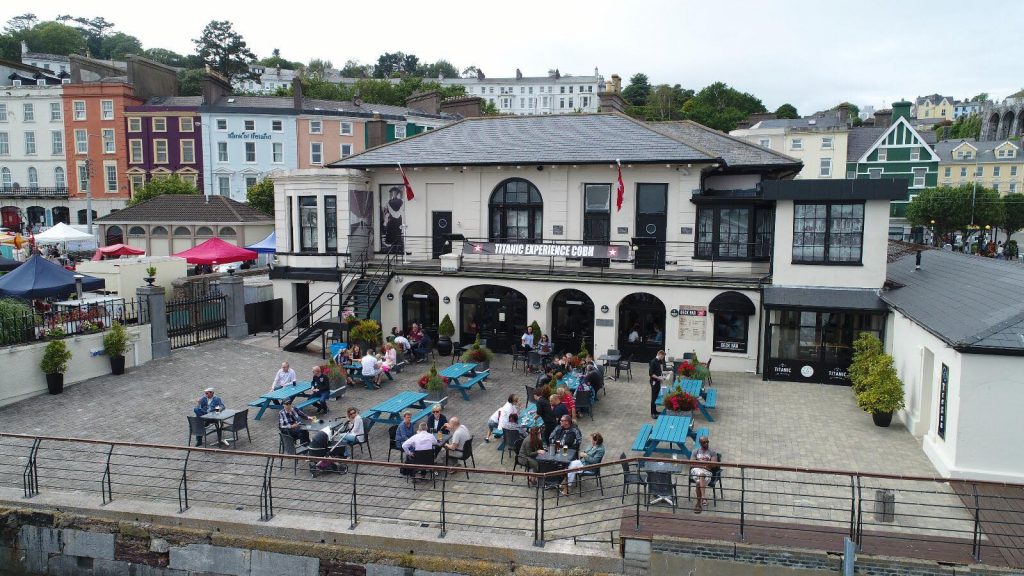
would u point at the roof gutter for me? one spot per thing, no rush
(341, 163)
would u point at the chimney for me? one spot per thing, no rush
(214, 86)
(617, 82)
(376, 131)
(297, 93)
(519, 74)
(429, 102)
(883, 118)
(465, 106)
(24, 48)
(843, 113)
(610, 100)
(901, 109)
(558, 74)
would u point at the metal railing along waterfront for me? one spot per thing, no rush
(89, 317)
(980, 519)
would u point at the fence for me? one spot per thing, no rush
(23, 326)
(197, 319)
(970, 521)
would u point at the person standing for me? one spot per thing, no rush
(657, 376)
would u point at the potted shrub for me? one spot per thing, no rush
(115, 344)
(434, 384)
(150, 274)
(882, 391)
(365, 333)
(679, 403)
(444, 336)
(866, 348)
(55, 361)
(479, 355)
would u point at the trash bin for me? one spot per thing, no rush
(885, 505)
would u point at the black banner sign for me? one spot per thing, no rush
(546, 250)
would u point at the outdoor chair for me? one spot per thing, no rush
(287, 446)
(198, 427)
(513, 440)
(364, 439)
(455, 353)
(584, 401)
(625, 365)
(392, 447)
(715, 482)
(533, 360)
(593, 473)
(518, 357)
(422, 458)
(630, 477)
(467, 454)
(240, 422)
(554, 481)
(529, 393)
(707, 365)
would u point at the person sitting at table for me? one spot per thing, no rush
(513, 424)
(701, 474)
(532, 447)
(593, 379)
(558, 409)
(405, 430)
(390, 356)
(500, 417)
(423, 347)
(403, 342)
(566, 434)
(460, 434)
(284, 377)
(207, 403)
(592, 455)
(540, 399)
(544, 345)
(354, 431)
(370, 369)
(634, 335)
(415, 335)
(355, 353)
(290, 420)
(421, 440)
(436, 420)
(567, 400)
(321, 390)
(545, 378)
(526, 340)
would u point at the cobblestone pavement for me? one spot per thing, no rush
(756, 422)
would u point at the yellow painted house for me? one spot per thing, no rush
(934, 106)
(996, 164)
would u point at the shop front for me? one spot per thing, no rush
(809, 332)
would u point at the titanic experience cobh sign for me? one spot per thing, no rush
(546, 250)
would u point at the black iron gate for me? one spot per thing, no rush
(198, 319)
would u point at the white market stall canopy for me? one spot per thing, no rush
(62, 233)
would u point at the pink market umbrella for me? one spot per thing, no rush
(117, 250)
(216, 251)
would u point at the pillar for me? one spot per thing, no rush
(153, 309)
(234, 290)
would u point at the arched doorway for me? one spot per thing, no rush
(496, 313)
(572, 321)
(420, 305)
(114, 236)
(36, 217)
(61, 214)
(643, 314)
(11, 218)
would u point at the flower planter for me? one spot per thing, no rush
(55, 383)
(678, 413)
(882, 419)
(149, 280)
(117, 365)
(444, 346)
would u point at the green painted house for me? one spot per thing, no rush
(894, 151)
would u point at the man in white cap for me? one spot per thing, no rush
(207, 403)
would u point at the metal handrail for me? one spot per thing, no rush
(301, 315)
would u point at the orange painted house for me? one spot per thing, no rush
(323, 139)
(94, 136)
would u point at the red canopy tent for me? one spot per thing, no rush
(216, 251)
(116, 250)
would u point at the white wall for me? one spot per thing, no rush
(23, 378)
(870, 274)
(124, 275)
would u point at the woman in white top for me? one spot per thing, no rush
(355, 432)
(390, 355)
(500, 418)
(527, 340)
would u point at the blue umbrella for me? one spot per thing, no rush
(6, 264)
(266, 246)
(37, 277)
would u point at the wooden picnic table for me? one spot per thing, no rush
(456, 371)
(672, 431)
(275, 398)
(390, 410)
(460, 370)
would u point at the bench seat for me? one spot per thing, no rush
(642, 438)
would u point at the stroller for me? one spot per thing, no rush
(326, 444)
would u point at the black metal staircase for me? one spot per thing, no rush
(359, 290)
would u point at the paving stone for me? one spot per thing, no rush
(87, 544)
(385, 570)
(211, 559)
(274, 564)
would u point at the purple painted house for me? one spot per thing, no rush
(164, 139)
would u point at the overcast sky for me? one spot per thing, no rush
(811, 53)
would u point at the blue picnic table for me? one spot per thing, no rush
(275, 398)
(456, 372)
(528, 417)
(390, 410)
(706, 399)
(672, 431)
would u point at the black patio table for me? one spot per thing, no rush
(558, 456)
(219, 419)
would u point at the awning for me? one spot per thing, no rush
(216, 251)
(733, 303)
(826, 299)
(266, 246)
(37, 277)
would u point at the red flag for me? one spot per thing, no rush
(408, 187)
(620, 190)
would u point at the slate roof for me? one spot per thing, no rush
(734, 151)
(192, 101)
(860, 140)
(549, 139)
(181, 208)
(972, 303)
(986, 151)
(824, 122)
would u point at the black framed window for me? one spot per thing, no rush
(730, 232)
(516, 212)
(307, 224)
(597, 221)
(730, 333)
(828, 233)
(331, 222)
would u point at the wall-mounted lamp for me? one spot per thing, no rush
(536, 305)
(447, 300)
(390, 296)
(604, 309)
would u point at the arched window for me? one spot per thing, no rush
(58, 178)
(114, 235)
(5, 177)
(516, 212)
(61, 214)
(227, 231)
(204, 231)
(182, 231)
(33, 177)
(158, 231)
(136, 231)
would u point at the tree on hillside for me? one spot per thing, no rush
(786, 111)
(261, 196)
(53, 38)
(160, 186)
(93, 31)
(964, 127)
(721, 107)
(225, 51)
(946, 209)
(441, 68)
(166, 57)
(980, 97)
(470, 72)
(353, 69)
(392, 64)
(190, 82)
(638, 90)
(119, 45)
(317, 69)
(275, 61)
(664, 102)
(21, 24)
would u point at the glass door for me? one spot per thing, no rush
(651, 221)
(597, 223)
